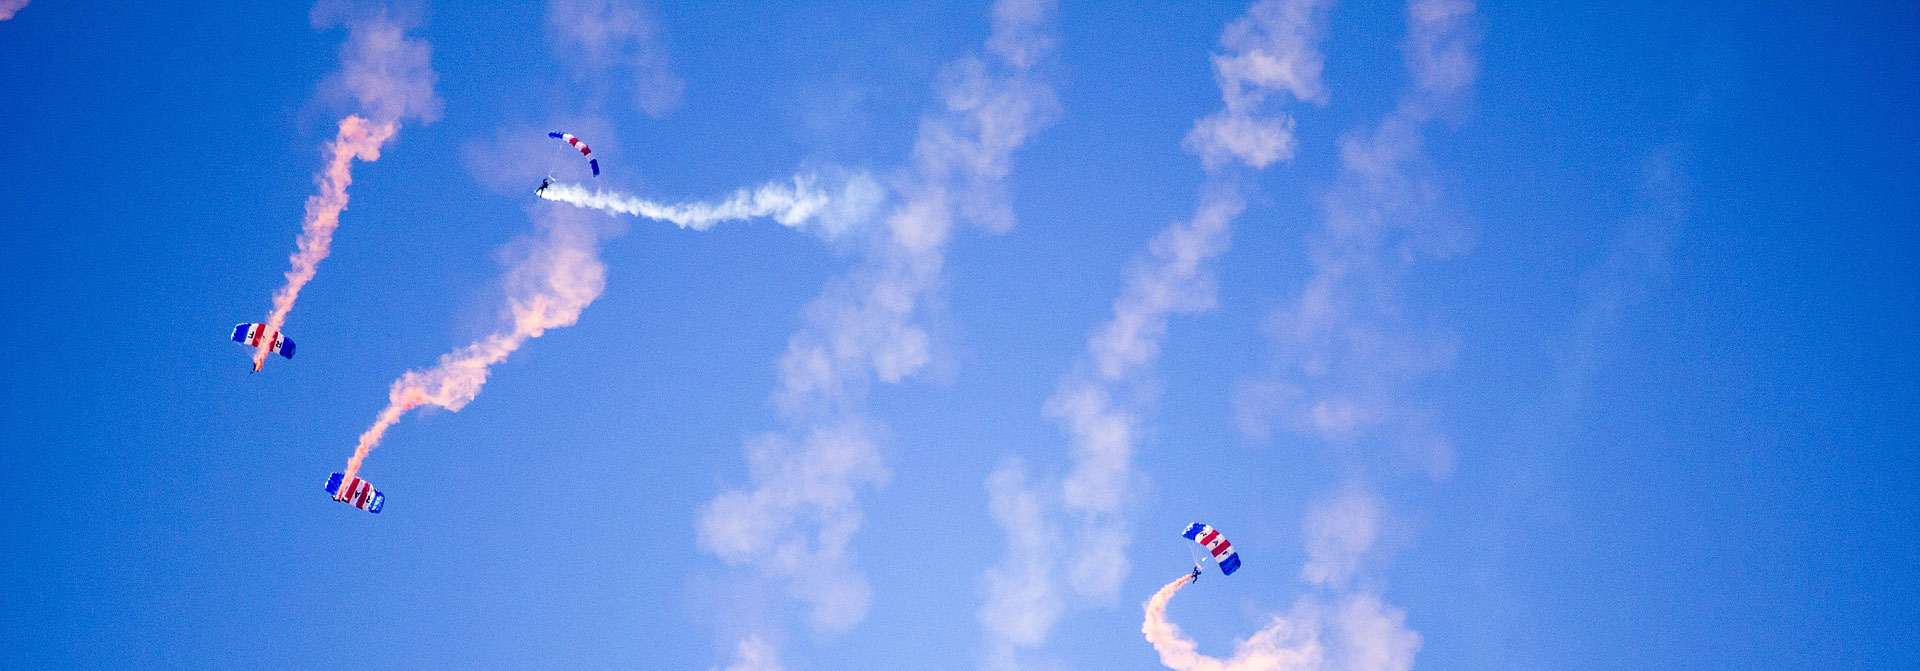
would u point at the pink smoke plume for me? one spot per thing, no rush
(390, 77)
(560, 275)
(358, 138)
(8, 7)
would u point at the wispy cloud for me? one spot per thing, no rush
(1339, 533)
(795, 520)
(613, 48)
(1345, 349)
(1024, 599)
(1272, 51)
(1635, 261)
(754, 654)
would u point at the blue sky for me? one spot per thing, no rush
(1508, 336)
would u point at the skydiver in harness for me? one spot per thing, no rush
(1196, 575)
(544, 183)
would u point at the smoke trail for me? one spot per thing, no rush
(1282, 646)
(789, 205)
(358, 138)
(563, 274)
(390, 78)
(1358, 634)
(557, 279)
(9, 7)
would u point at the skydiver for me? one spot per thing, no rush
(1196, 575)
(544, 183)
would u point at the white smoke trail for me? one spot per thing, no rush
(791, 205)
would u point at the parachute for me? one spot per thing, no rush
(582, 146)
(1223, 553)
(252, 334)
(357, 492)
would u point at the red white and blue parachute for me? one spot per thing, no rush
(357, 492)
(252, 335)
(1210, 538)
(582, 146)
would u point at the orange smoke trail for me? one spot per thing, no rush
(449, 385)
(1282, 646)
(358, 138)
(548, 289)
(1165, 636)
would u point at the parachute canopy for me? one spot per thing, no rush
(582, 146)
(1223, 552)
(252, 335)
(358, 492)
